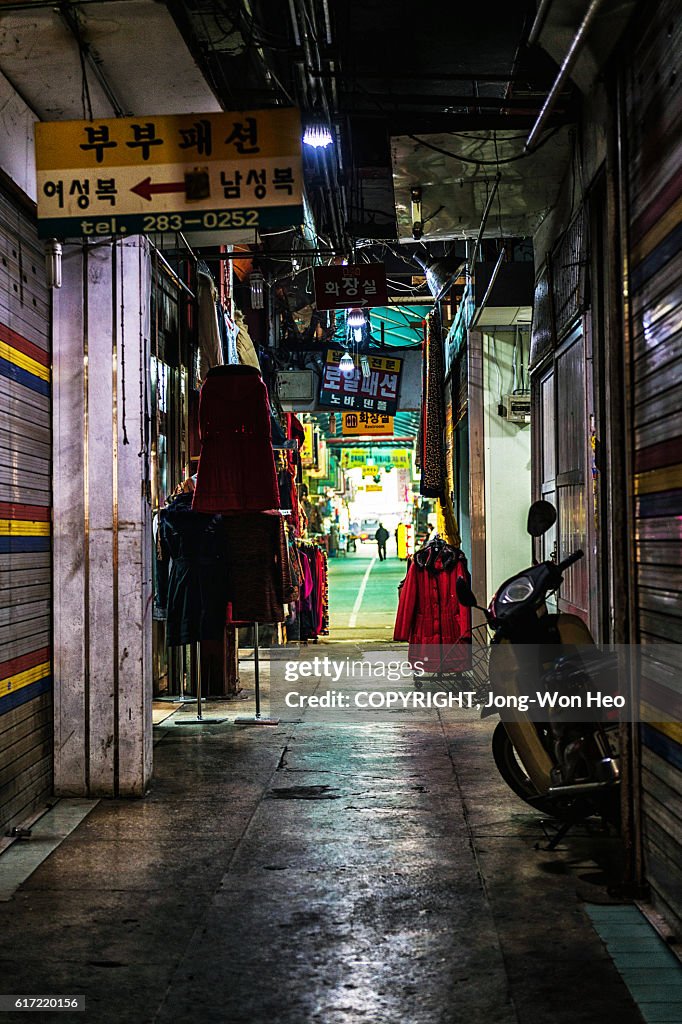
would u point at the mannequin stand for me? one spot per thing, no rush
(199, 720)
(258, 719)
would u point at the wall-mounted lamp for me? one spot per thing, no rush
(416, 212)
(53, 263)
(256, 282)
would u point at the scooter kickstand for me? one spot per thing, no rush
(554, 841)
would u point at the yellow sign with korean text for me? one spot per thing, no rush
(369, 423)
(400, 457)
(370, 470)
(185, 172)
(374, 487)
(308, 446)
(351, 458)
(376, 390)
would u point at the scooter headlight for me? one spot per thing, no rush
(516, 591)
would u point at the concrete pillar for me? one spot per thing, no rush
(102, 521)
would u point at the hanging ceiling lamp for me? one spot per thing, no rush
(346, 364)
(317, 134)
(442, 273)
(355, 318)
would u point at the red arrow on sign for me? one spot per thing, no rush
(147, 190)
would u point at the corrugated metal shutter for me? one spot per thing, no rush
(25, 497)
(571, 475)
(559, 407)
(655, 194)
(543, 335)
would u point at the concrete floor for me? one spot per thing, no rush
(340, 874)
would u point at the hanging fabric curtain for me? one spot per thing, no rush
(432, 455)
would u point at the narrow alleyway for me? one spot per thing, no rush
(331, 873)
(364, 594)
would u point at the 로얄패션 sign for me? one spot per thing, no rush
(378, 392)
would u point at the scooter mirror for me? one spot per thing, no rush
(541, 515)
(465, 595)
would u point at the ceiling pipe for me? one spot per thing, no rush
(330, 157)
(488, 291)
(294, 22)
(484, 221)
(421, 76)
(315, 92)
(564, 72)
(538, 24)
(37, 5)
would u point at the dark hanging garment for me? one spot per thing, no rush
(236, 467)
(192, 573)
(258, 564)
(432, 454)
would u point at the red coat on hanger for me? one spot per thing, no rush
(430, 617)
(236, 466)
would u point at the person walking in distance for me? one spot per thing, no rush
(381, 536)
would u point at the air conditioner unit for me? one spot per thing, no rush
(296, 385)
(516, 408)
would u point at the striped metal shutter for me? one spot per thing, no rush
(655, 196)
(26, 727)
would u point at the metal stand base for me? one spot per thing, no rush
(200, 721)
(256, 721)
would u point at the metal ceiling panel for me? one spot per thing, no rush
(137, 45)
(455, 189)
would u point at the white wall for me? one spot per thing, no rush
(507, 465)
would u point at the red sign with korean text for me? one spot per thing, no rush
(378, 392)
(359, 285)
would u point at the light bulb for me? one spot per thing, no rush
(357, 333)
(317, 135)
(356, 318)
(346, 364)
(256, 280)
(53, 263)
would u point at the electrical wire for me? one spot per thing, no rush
(483, 163)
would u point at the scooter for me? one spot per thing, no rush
(566, 769)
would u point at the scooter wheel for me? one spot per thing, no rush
(514, 774)
(418, 683)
